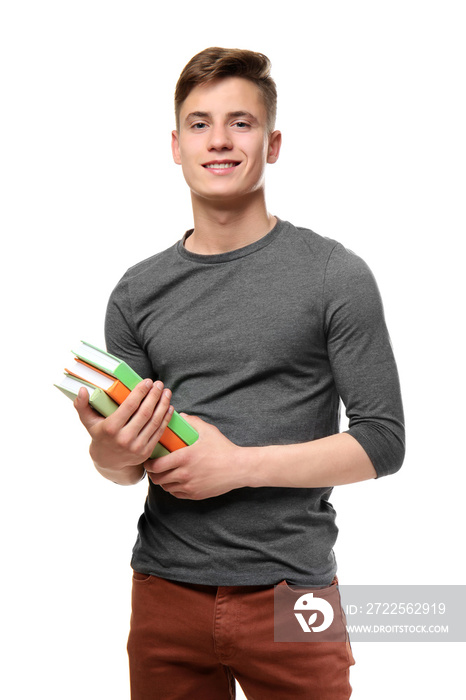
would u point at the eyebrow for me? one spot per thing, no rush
(230, 115)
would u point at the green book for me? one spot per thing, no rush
(108, 363)
(99, 400)
(122, 371)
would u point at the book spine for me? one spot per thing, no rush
(171, 441)
(127, 375)
(182, 428)
(118, 391)
(102, 402)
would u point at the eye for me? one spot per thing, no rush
(198, 126)
(241, 125)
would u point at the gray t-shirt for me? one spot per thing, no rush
(262, 342)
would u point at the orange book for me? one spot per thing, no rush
(113, 387)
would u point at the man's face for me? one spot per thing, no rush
(223, 144)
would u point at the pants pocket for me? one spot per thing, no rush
(142, 578)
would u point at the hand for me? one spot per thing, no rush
(211, 466)
(127, 437)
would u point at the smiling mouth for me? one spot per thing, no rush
(221, 166)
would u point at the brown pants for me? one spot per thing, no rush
(190, 642)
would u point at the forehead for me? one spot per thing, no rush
(225, 96)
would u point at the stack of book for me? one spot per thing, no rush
(108, 381)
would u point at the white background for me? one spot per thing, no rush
(371, 106)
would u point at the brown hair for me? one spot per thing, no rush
(214, 63)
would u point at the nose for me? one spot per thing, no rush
(219, 138)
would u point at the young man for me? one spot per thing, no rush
(258, 328)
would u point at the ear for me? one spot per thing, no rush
(275, 142)
(176, 148)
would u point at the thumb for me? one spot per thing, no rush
(194, 421)
(189, 419)
(86, 413)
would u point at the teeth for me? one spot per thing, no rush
(220, 166)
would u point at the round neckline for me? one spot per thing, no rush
(231, 254)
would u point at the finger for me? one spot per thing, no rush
(145, 412)
(164, 464)
(161, 415)
(166, 484)
(131, 404)
(174, 489)
(87, 415)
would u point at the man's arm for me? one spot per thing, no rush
(214, 465)
(362, 360)
(331, 461)
(121, 443)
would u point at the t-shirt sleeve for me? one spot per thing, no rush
(121, 336)
(362, 360)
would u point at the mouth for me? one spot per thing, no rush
(221, 165)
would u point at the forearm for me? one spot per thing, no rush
(331, 461)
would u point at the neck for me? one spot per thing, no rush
(222, 227)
